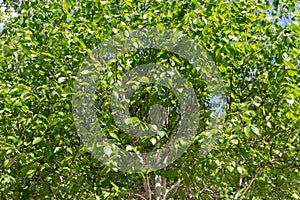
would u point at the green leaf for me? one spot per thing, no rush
(144, 79)
(240, 169)
(135, 44)
(82, 45)
(115, 187)
(234, 141)
(128, 121)
(295, 196)
(47, 54)
(255, 129)
(115, 30)
(153, 127)
(153, 141)
(247, 131)
(25, 109)
(290, 101)
(113, 135)
(65, 5)
(246, 119)
(129, 148)
(84, 72)
(37, 140)
(18, 103)
(107, 150)
(30, 173)
(161, 133)
(6, 161)
(61, 79)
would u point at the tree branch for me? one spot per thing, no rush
(173, 187)
(140, 196)
(250, 183)
(236, 196)
(146, 183)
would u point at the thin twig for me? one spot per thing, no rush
(236, 196)
(140, 196)
(250, 183)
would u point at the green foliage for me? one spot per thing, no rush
(43, 47)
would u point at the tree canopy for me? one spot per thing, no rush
(43, 46)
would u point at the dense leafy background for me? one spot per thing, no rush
(44, 44)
